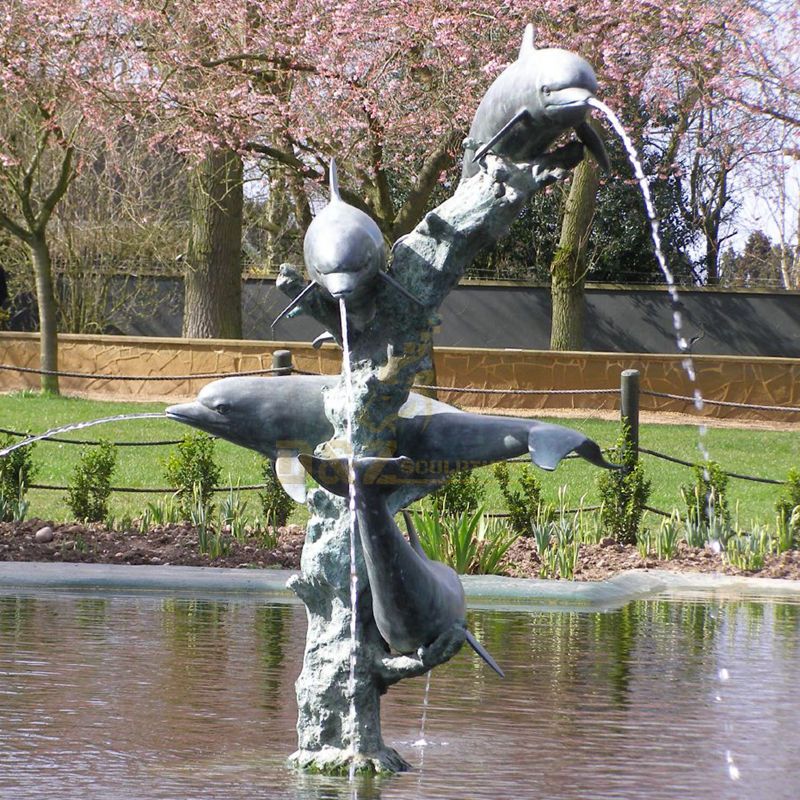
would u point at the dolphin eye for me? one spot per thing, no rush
(546, 90)
(222, 408)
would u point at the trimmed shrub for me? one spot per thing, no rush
(90, 483)
(623, 492)
(706, 497)
(275, 503)
(524, 503)
(191, 468)
(461, 494)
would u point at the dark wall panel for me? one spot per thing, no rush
(518, 317)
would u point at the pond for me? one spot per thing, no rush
(110, 696)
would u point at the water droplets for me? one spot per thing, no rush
(75, 426)
(733, 770)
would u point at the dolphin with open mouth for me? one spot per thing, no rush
(531, 103)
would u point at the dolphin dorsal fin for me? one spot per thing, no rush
(413, 538)
(527, 41)
(334, 181)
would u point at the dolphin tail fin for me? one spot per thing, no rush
(527, 40)
(548, 444)
(484, 149)
(333, 180)
(413, 538)
(594, 144)
(293, 304)
(484, 654)
(383, 474)
(395, 284)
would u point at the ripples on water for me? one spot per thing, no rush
(143, 697)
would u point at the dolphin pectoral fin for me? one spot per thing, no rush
(484, 149)
(548, 444)
(395, 284)
(594, 144)
(484, 654)
(322, 338)
(291, 475)
(294, 303)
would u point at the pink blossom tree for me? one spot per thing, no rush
(392, 96)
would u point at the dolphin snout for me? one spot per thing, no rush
(571, 97)
(180, 411)
(341, 284)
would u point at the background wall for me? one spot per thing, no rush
(751, 380)
(479, 314)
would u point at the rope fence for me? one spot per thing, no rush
(194, 376)
(290, 369)
(282, 365)
(153, 490)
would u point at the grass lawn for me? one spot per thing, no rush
(768, 454)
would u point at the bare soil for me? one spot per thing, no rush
(178, 544)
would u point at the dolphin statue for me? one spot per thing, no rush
(283, 416)
(414, 599)
(345, 255)
(531, 103)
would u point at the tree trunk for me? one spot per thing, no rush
(213, 279)
(568, 269)
(48, 320)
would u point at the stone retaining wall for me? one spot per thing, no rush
(750, 380)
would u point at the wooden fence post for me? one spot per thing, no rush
(629, 406)
(282, 362)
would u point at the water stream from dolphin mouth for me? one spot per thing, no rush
(77, 426)
(677, 324)
(351, 481)
(677, 315)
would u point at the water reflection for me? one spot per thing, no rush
(194, 698)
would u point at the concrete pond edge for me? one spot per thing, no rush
(483, 591)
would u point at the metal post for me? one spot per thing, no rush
(282, 362)
(629, 405)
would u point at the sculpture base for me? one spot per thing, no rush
(334, 761)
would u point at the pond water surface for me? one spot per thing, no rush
(109, 696)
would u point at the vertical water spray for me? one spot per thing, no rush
(351, 480)
(677, 316)
(421, 742)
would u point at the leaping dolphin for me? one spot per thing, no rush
(345, 255)
(531, 103)
(414, 599)
(283, 416)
